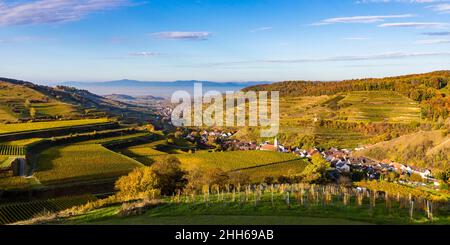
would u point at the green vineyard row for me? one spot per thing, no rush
(10, 213)
(12, 150)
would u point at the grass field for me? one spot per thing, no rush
(379, 106)
(107, 216)
(19, 127)
(246, 212)
(81, 162)
(233, 160)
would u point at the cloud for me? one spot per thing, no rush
(431, 25)
(264, 28)
(179, 35)
(394, 55)
(433, 41)
(361, 19)
(51, 11)
(383, 56)
(442, 33)
(441, 8)
(144, 54)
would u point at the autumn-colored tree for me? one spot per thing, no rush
(33, 112)
(150, 128)
(315, 172)
(138, 183)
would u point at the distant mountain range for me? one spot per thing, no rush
(124, 97)
(156, 88)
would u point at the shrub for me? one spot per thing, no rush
(283, 180)
(137, 208)
(198, 178)
(344, 181)
(269, 180)
(238, 178)
(415, 178)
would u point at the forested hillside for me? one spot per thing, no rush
(428, 89)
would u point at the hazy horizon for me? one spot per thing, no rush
(222, 40)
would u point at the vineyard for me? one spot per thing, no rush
(233, 160)
(10, 213)
(317, 201)
(81, 162)
(12, 150)
(379, 106)
(288, 203)
(21, 127)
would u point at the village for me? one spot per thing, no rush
(342, 161)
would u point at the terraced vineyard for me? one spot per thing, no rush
(258, 174)
(379, 106)
(10, 213)
(146, 153)
(329, 137)
(233, 160)
(55, 109)
(81, 162)
(12, 150)
(19, 127)
(4, 162)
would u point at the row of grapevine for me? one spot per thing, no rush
(307, 196)
(12, 150)
(10, 213)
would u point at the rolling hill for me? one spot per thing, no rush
(425, 149)
(23, 101)
(357, 112)
(155, 88)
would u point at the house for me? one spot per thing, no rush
(343, 167)
(398, 166)
(426, 173)
(268, 147)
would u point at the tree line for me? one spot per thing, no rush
(423, 88)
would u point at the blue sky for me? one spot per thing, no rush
(221, 40)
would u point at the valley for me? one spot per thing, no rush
(358, 151)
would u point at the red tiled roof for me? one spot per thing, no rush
(268, 147)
